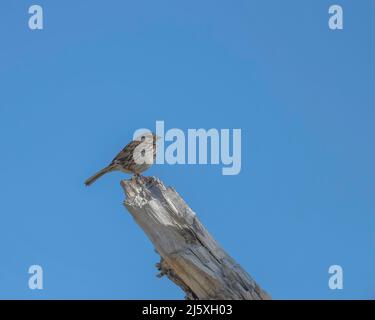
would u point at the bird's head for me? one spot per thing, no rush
(149, 136)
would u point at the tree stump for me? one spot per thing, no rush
(190, 257)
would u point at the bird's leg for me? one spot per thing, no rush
(136, 176)
(140, 177)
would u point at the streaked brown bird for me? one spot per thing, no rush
(136, 157)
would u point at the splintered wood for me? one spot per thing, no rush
(190, 257)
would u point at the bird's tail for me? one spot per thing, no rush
(97, 175)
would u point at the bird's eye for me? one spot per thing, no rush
(143, 138)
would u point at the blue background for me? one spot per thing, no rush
(72, 95)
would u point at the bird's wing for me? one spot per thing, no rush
(126, 154)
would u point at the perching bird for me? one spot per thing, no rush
(136, 157)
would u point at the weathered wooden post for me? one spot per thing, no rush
(190, 257)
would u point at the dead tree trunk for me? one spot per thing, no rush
(190, 257)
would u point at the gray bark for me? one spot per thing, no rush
(190, 257)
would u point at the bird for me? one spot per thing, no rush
(136, 157)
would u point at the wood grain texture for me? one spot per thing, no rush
(190, 257)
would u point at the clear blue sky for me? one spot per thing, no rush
(303, 95)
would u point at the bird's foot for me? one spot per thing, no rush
(137, 177)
